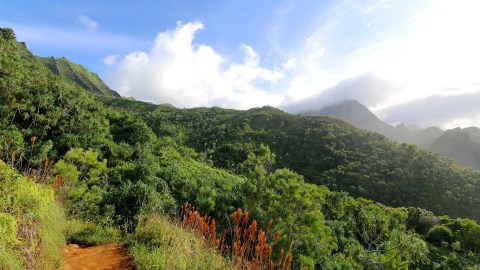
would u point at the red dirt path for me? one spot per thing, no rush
(101, 257)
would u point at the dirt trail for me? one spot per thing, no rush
(101, 257)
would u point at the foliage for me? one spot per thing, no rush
(440, 234)
(31, 223)
(7, 34)
(35, 103)
(326, 151)
(90, 233)
(160, 244)
(82, 192)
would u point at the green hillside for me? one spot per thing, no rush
(77, 74)
(123, 169)
(326, 151)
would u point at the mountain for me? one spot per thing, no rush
(474, 133)
(421, 137)
(77, 74)
(458, 145)
(357, 114)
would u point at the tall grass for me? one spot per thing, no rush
(32, 223)
(161, 244)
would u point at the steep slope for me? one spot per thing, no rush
(357, 114)
(474, 133)
(77, 74)
(458, 145)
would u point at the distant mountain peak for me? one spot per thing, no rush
(457, 144)
(355, 113)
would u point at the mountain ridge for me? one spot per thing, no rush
(76, 73)
(431, 138)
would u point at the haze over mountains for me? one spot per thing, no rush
(462, 145)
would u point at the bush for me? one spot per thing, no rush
(439, 234)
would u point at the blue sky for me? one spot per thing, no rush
(394, 55)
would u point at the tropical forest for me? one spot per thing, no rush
(214, 188)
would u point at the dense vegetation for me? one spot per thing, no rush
(118, 163)
(326, 151)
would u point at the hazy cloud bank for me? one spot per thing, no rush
(445, 111)
(368, 89)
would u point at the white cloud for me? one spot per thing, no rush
(317, 53)
(110, 60)
(300, 88)
(87, 22)
(185, 74)
(291, 63)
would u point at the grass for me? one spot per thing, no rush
(88, 233)
(161, 244)
(32, 223)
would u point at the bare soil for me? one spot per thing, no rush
(100, 257)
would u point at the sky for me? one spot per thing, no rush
(409, 61)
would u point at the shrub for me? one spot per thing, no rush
(440, 234)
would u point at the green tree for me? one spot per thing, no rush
(83, 190)
(7, 33)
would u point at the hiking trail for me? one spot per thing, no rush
(99, 257)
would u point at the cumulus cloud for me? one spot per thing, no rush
(184, 74)
(367, 88)
(87, 22)
(291, 63)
